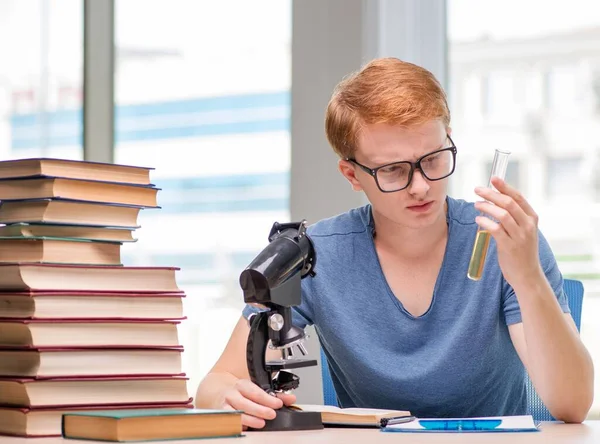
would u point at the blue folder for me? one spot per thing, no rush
(466, 425)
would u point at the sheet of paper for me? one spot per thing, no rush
(508, 423)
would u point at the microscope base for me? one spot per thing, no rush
(290, 419)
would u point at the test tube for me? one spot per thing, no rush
(482, 239)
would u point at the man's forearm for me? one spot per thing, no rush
(210, 393)
(558, 362)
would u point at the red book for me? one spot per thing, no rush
(46, 363)
(34, 333)
(50, 277)
(69, 212)
(75, 169)
(59, 251)
(49, 187)
(91, 305)
(73, 392)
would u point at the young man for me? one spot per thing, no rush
(401, 324)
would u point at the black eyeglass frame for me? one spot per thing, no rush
(413, 167)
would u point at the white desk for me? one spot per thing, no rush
(588, 433)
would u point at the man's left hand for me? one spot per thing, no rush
(515, 232)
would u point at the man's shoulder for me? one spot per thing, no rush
(356, 220)
(461, 211)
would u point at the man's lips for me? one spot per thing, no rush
(421, 206)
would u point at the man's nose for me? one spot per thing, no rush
(419, 185)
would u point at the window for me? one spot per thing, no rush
(564, 179)
(547, 96)
(534, 90)
(473, 96)
(202, 95)
(563, 93)
(499, 95)
(41, 48)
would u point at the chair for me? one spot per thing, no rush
(574, 292)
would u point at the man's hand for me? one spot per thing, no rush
(516, 232)
(256, 404)
(547, 341)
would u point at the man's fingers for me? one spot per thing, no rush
(494, 228)
(287, 398)
(239, 402)
(501, 215)
(504, 201)
(256, 404)
(505, 188)
(252, 422)
(258, 395)
(248, 420)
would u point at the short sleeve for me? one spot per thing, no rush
(301, 315)
(512, 311)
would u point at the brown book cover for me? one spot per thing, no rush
(152, 425)
(46, 422)
(75, 169)
(52, 362)
(91, 305)
(77, 189)
(33, 333)
(77, 391)
(60, 251)
(52, 231)
(87, 278)
(69, 212)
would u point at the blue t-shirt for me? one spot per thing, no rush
(456, 360)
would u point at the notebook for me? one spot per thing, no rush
(356, 417)
(523, 423)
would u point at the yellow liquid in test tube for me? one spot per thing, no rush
(480, 248)
(483, 237)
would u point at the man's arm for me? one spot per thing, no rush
(228, 386)
(558, 363)
(547, 342)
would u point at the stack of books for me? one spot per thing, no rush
(79, 330)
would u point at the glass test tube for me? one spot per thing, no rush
(482, 240)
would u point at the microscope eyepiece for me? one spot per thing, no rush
(290, 255)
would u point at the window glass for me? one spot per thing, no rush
(202, 95)
(539, 85)
(41, 48)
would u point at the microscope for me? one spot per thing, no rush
(272, 280)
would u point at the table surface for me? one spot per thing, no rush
(588, 432)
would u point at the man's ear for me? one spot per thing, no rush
(349, 172)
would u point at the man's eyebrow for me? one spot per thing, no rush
(415, 157)
(440, 147)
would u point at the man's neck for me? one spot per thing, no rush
(410, 243)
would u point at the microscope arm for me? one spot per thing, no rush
(255, 351)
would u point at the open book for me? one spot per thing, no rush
(351, 416)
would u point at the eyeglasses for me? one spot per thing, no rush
(397, 176)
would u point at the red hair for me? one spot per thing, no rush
(385, 90)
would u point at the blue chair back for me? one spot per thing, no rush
(329, 395)
(574, 292)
